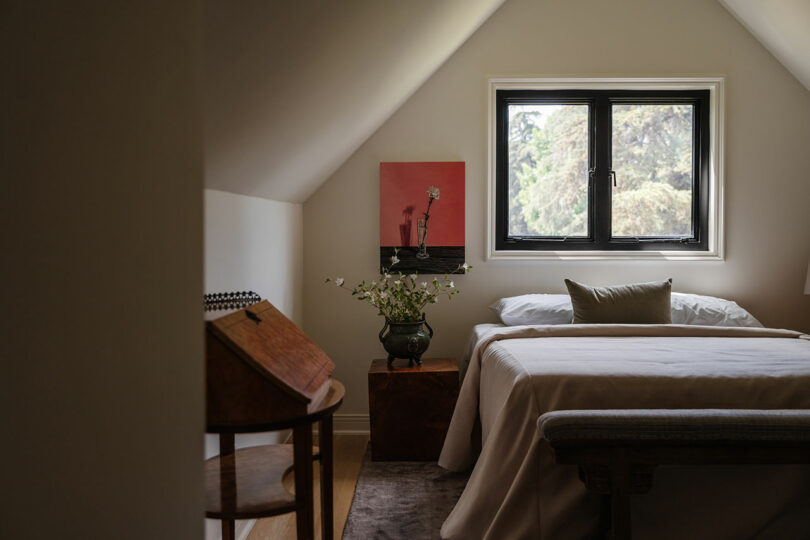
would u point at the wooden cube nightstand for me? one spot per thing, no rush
(410, 408)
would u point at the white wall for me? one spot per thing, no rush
(766, 183)
(252, 244)
(255, 244)
(101, 391)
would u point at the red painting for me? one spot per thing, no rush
(422, 215)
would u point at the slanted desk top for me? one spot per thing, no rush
(262, 371)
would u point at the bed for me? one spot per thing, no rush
(517, 373)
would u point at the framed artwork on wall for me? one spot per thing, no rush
(422, 216)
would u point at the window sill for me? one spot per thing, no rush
(605, 256)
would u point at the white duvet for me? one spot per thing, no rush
(518, 373)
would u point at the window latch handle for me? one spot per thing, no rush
(613, 174)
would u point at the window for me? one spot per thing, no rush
(603, 169)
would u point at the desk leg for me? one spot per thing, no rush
(226, 444)
(302, 454)
(327, 473)
(227, 481)
(228, 529)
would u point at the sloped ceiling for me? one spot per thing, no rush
(294, 87)
(782, 26)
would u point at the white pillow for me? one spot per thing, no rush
(556, 309)
(534, 309)
(709, 311)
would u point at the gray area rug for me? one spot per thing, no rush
(402, 500)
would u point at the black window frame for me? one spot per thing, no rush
(599, 183)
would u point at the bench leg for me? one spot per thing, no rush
(620, 518)
(604, 516)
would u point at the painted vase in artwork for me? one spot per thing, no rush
(421, 235)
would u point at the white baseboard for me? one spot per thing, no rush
(352, 424)
(243, 528)
(213, 529)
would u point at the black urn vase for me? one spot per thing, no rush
(406, 340)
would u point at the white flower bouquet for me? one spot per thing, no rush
(400, 297)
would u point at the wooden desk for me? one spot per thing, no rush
(264, 374)
(246, 483)
(410, 408)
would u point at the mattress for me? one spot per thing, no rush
(515, 374)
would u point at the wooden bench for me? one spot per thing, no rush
(616, 450)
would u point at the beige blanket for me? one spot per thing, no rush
(516, 491)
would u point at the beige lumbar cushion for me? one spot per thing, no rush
(636, 303)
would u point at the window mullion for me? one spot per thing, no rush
(601, 191)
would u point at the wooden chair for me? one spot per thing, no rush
(616, 450)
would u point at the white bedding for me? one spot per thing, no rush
(518, 373)
(478, 333)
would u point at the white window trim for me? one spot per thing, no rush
(715, 85)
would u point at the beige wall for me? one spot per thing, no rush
(767, 189)
(294, 87)
(101, 391)
(781, 27)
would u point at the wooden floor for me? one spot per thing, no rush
(349, 452)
